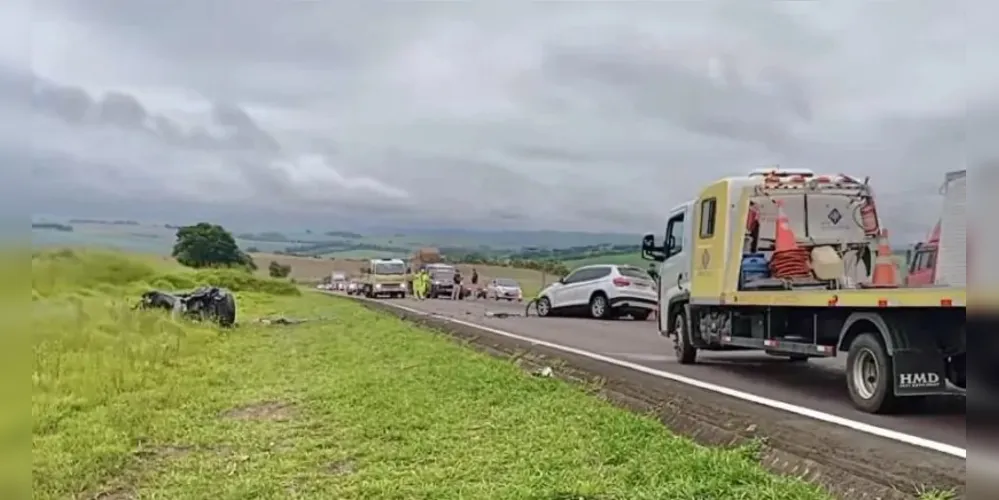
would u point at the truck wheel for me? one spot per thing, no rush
(869, 375)
(544, 307)
(599, 309)
(686, 353)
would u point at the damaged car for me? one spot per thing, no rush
(207, 303)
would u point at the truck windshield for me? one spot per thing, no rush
(441, 272)
(388, 268)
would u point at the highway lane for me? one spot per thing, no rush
(818, 384)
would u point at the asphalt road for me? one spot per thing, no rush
(818, 384)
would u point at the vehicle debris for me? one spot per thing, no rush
(207, 303)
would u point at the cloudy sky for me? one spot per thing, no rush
(576, 115)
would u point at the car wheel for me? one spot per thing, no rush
(544, 307)
(599, 308)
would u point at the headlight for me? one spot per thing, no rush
(378, 286)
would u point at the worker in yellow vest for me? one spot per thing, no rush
(418, 285)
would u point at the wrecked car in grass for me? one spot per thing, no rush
(207, 303)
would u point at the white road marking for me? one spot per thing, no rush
(745, 396)
(654, 358)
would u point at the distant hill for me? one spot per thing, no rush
(51, 226)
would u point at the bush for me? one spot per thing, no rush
(277, 270)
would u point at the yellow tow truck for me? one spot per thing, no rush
(721, 291)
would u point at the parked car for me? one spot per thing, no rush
(601, 292)
(504, 288)
(352, 288)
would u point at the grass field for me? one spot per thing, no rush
(350, 404)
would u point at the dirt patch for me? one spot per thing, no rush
(849, 464)
(116, 494)
(341, 467)
(273, 411)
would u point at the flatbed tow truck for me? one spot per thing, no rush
(795, 264)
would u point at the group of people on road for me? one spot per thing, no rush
(421, 284)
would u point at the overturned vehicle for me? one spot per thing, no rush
(207, 303)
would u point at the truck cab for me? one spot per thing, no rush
(383, 278)
(798, 265)
(921, 260)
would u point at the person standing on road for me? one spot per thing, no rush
(424, 284)
(475, 283)
(418, 285)
(456, 291)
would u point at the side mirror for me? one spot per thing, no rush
(651, 251)
(908, 257)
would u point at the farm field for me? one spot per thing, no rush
(311, 270)
(134, 404)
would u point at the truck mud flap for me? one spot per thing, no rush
(919, 373)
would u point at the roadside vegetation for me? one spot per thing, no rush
(348, 404)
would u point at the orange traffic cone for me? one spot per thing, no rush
(784, 239)
(885, 275)
(789, 260)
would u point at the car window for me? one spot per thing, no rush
(573, 276)
(634, 272)
(595, 273)
(586, 274)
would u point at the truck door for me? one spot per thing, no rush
(674, 273)
(710, 252)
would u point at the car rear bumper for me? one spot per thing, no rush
(634, 303)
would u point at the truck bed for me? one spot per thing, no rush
(873, 298)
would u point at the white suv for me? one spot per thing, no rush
(602, 292)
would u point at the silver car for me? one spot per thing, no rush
(504, 288)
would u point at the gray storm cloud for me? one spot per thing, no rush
(596, 116)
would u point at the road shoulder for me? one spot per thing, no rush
(848, 463)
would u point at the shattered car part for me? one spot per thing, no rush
(207, 303)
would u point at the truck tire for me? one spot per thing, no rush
(869, 375)
(686, 353)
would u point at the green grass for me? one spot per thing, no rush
(351, 404)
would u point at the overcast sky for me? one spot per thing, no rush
(574, 115)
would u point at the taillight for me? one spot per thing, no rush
(621, 282)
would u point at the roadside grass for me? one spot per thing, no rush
(350, 404)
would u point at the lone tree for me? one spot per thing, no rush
(277, 270)
(209, 245)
